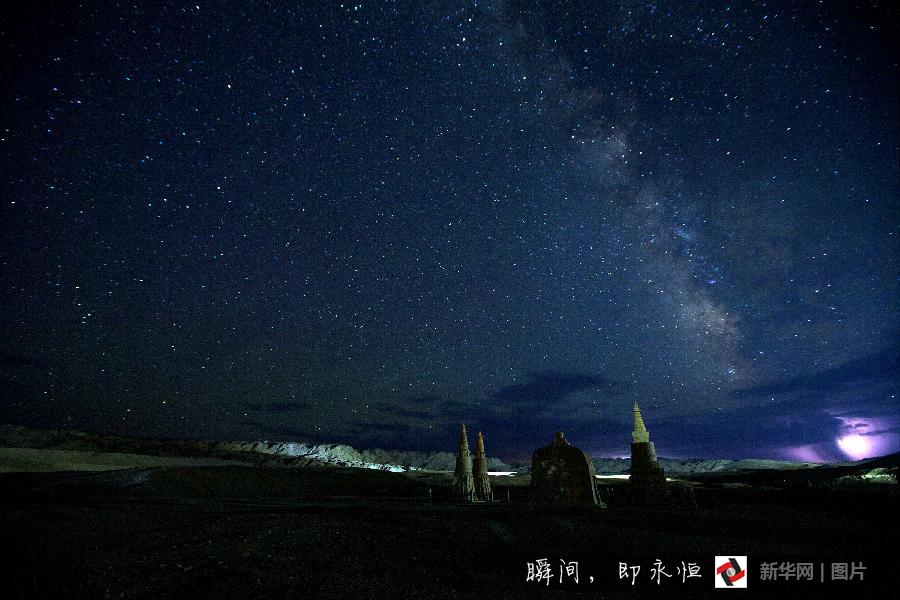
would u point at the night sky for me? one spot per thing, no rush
(366, 223)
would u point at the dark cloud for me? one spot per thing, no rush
(278, 407)
(427, 399)
(735, 434)
(521, 417)
(550, 387)
(881, 366)
(398, 410)
(287, 432)
(773, 433)
(805, 410)
(402, 435)
(395, 427)
(454, 409)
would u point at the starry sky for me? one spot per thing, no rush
(366, 223)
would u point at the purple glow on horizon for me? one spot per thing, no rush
(856, 446)
(810, 453)
(863, 437)
(857, 438)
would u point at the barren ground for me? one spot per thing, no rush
(244, 532)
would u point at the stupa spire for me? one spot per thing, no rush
(463, 484)
(647, 480)
(482, 482)
(640, 433)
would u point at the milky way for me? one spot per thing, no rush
(365, 223)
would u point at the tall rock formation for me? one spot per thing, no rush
(482, 483)
(647, 480)
(562, 474)
(463, 483)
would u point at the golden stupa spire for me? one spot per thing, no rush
(480, 468)
(463, 484)
(640, 433)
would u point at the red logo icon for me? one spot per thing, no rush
(730, 573)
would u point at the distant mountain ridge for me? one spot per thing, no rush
(256, 452)
(266, 453)
(347, 455)
(695, 466)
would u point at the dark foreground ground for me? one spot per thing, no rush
(243, 532)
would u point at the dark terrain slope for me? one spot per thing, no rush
(247, 532)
